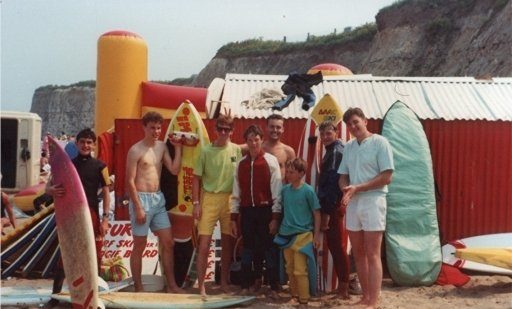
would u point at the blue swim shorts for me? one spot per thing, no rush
(156, 214)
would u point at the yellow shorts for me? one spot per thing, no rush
(214, 207)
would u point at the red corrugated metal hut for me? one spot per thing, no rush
(468, 123)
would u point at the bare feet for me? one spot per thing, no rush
(202, 292)
(255, 288)
(273, 295)
(226, 289)
(293, 301)
(362, 302)
(138, 288)
(176, 290)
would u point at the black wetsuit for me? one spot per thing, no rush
(93, 174)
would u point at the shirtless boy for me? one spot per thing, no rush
(273, 144)
(147, 203)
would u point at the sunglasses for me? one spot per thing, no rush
(223, 129)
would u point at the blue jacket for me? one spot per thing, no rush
(329, 192)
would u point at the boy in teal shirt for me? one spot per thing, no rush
(301, 225)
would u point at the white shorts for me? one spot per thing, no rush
(366, 213)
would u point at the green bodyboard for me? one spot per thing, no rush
(413, 250)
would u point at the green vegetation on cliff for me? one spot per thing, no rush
(258, 47)
(430, 3)
(183, 81)
(457, 4)
(86, 83)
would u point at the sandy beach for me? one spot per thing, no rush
(482, 291)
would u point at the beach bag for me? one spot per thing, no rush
(113, 269)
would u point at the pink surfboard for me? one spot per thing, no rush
(74, 228)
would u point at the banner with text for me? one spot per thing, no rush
(119, 242)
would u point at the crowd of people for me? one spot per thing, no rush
(256, 191)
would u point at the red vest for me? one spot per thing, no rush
(254, 181)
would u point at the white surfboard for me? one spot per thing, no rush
(150, 283)
(165, 300)
(26, 295)
(214, 95)
(502, 240)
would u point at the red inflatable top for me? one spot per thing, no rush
(171, 96)
(330, 69)
(121, 33)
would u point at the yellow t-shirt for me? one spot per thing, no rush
(216, 167)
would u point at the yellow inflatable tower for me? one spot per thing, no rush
(122, 67)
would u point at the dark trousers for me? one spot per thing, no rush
(339, 254)
(257, 248)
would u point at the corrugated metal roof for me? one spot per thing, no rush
(448, 98)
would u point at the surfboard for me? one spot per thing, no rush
(50, 266)
(311, 150)
(22, 295)
(74, 229)
(489, 256)
(186, 123)
(413, 249)
(165, 300)
(23, 240)
(497, 241)
(213, 96)
(150, 283)
(41, 251)
(36, 243)
(22, 229)
(310, 147)
(25, 295)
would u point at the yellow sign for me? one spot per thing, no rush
(327, 109)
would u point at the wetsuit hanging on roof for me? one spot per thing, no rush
(299, 85)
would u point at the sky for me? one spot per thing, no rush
(54, 42)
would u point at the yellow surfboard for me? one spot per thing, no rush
(500, 257)
(186, 124)
(327, 109)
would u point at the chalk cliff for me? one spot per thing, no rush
(409, 38)
(64, 109)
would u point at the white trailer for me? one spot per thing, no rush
(20, 150)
